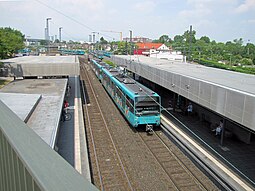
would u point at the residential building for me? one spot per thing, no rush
(145, 48)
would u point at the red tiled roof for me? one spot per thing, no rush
(148, 45)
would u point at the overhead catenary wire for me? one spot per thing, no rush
(71, 18)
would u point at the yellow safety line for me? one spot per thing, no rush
(77, 147)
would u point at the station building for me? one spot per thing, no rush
(215, 94)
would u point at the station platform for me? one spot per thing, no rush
(235, 154)
(71, 144)
(39, 103)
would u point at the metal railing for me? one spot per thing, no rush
(28, 163)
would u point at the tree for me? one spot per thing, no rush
(123, 48)
(178, 39)
(103, 41)
(11, 41)
(43, 42)
(187, 35)
(164, 39)
(205, 39)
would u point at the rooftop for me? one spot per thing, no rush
(38, 102)
(148, 45)
(41, 59)
(228, 79)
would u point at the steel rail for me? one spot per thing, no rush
(106, 126)
(154, 156)
(92, 137)
(182, 164)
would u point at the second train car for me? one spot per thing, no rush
(140, 105)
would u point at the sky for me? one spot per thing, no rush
(220, 20)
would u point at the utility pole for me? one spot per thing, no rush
(60, 28)
(190, 41)
(131, 44)
(130, 36)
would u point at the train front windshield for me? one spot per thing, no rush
(147, 105)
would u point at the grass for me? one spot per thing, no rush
(110, 63)
(3, 83)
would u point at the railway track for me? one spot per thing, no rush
(181, 172)
(110, 171)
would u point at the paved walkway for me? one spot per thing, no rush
(72, 144)
(233, 151)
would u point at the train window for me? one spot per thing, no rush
(130, 104)
(147, 99)
(147, 105)
(119, 92)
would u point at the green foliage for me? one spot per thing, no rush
(43, 42)
(209, 52)
(205, 39)
(109, 62)
(103, 41)
(164, 39)
(123, 48)
(178, 39)
(246, 61)
(11, 41)
(214, 64)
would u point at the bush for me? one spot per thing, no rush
(215, 64)
(110, 63)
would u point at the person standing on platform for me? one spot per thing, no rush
(189, 109)
(218, 130)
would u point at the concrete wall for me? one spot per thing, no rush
(42, 66)
(46, 69)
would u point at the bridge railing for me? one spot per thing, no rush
(28, 163)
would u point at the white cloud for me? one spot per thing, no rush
(248, 5)
(251, 21)
(145, 6)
